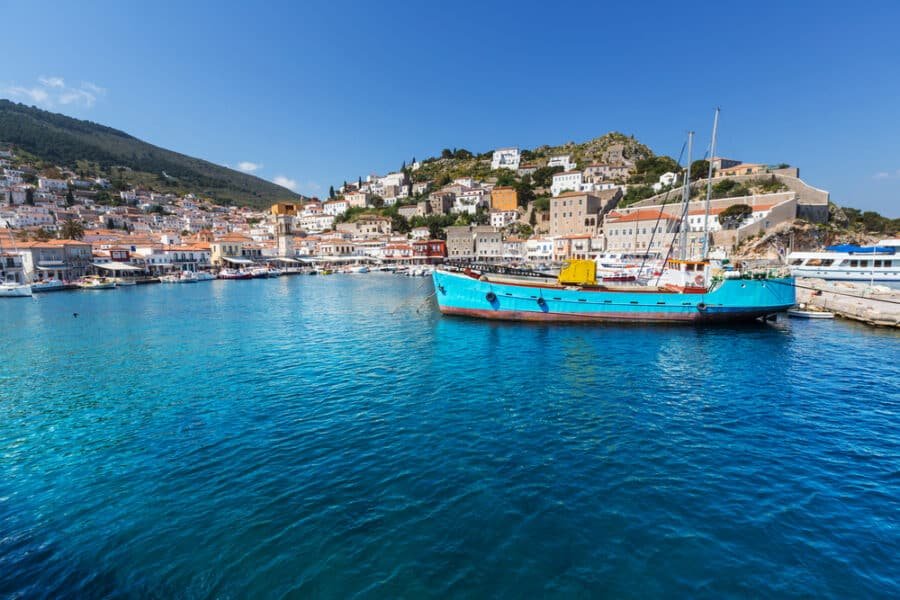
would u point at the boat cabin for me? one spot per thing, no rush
(685, 275)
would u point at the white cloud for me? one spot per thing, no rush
(52, 82)
(882, 175)
(36, 95)
(283, 181)
(248, 167)
(53, 91)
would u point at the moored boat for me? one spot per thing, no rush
(879, 263)
(12, 289)
(802, 312)
(235, 274)
(96, 282)
(48, 285)
(689, 295)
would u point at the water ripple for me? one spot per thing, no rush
(330, 437)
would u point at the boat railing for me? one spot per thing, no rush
(461, 266)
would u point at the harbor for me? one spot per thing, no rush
(348, 433)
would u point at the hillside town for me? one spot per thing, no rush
(59, 224)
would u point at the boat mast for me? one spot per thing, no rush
(686, 197)
(712, 154)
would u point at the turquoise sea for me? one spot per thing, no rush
(335, 437)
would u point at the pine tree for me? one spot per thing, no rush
(29, 196)
(70, 198)
(331, 191)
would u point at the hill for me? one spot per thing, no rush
(94, 149)
(455, 163)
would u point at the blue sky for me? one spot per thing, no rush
(319, 92)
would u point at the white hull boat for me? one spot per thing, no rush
(15, 290)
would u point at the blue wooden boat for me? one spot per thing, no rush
(737, 298)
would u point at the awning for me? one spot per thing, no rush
(51, 263)
(286, 260)
(60, 268)
(238, 261)
(117, 266)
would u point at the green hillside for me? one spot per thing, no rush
(462, 163)
(102, 151)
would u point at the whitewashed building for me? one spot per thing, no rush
(503, 218)
(665, 179)
(563, 160)
(571, 181)
(506, 158)
(335, 207)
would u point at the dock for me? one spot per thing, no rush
(875, 305)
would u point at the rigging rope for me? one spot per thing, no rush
(815, 289)
(659, 216)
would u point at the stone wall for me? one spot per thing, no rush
(812, 203)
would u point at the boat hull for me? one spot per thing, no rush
(15, 291)
(730, 300)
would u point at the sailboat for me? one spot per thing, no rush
(686, 291)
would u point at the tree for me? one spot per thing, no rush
(399, 224)
(71, 230)
(70, 198)
(331, 191)
(543, 176)
(481, 217)
(699, 169)
(648, 170)
(524, 191)
(729, 188)
(42, 235)
(734, 215)
(505, 177)
(29, 196)
(446, 153)
(403, 166)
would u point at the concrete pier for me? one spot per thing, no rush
(873, 304)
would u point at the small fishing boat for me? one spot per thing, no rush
(204, 276)
(235, 274)
(124, 281)
(48, 285)
(96, 282)
(801, 311)
(182, 277)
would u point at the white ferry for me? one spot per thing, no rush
(879, 263)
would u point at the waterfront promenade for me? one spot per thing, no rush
(333, 436)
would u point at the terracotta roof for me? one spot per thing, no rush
(642, 215)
